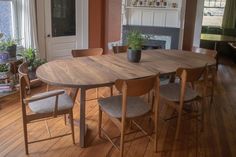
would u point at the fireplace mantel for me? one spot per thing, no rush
(153, 16)
(169, 35)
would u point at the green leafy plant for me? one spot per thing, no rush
(30, 56)
(4, 67)
(1, 35)
(4, 44)
(136, 40)
(37, 62)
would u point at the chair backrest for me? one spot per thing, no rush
(87, 52)
(208, 52)
(190, 76)
(119, 49)
(137, 87)
(24, 80)
(15, 66)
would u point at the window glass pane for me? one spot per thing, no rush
(63, 18)
(213, 12)
(6, 24)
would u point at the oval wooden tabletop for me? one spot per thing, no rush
(95, 71)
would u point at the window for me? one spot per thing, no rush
(6, 18)
(213, 12)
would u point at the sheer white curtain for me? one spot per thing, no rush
(27, 23)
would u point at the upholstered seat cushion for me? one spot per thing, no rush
(171, 92)
(113, 106)
(47, 105)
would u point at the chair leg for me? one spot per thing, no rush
(156, 133)
(97, 93)
(178, 125)
(65, 118)
(99, 122)
(111, 90)
(148, 97)
(202, 114)
(214, 75)
(49, 133)
(212, 91)
(122, 136)
(25, 138)
(72, 126)
(47, 88)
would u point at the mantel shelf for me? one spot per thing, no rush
(152, 8)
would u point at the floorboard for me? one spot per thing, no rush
(218, 138)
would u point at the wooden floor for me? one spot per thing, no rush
(217, 140)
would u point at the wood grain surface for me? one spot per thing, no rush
(217, 139)
(96, 71)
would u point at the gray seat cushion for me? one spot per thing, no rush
(47, 105)
(171, 92)
(113, 106)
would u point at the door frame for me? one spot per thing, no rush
(82, 25)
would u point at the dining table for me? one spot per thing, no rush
(99, 71)
(217, 38)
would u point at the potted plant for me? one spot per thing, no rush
(31, 57)
(3, 53)
(135, 42)
(4, 71)
(9, 46)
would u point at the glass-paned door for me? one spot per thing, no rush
(63, 17)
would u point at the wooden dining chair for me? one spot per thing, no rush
(14, 68)
(87, 52)
(42, 106)
(90, 52)
(212, 71)
(128, 106)
(178, 94)
(119, 49)
(208, 52)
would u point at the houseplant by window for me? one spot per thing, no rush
(3, 53)
(135, 42)
(31, 57)
(4, 71)
(8, 45)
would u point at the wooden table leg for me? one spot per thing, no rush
(82, 117)
(80, 122)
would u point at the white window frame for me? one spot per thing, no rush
(212, 7)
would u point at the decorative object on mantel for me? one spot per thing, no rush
(135, 42)
(152, 3)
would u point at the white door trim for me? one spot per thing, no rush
(82, 25)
